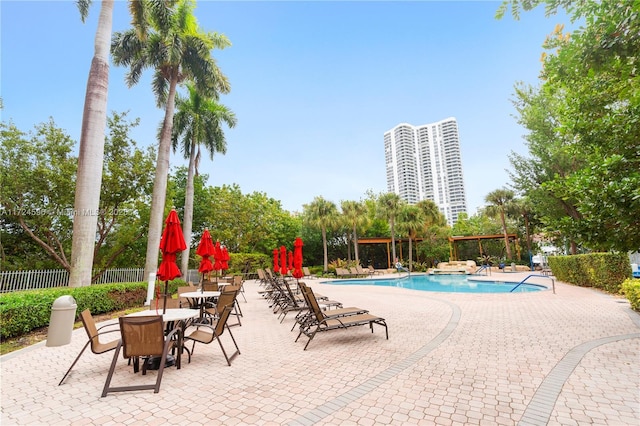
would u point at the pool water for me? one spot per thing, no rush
(443, 283)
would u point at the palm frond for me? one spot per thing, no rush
(83, 8)
(139, 17)
(160, 87)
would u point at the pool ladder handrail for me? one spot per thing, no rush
(553, 282)
(485, 268)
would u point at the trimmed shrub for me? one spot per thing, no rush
(24, 311)
(605, 271)
(631, 289)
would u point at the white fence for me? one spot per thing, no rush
(32, 280)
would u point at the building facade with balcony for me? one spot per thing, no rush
(425, 163)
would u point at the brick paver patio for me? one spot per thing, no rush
(570, 358)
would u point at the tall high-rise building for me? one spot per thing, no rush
(424, 163)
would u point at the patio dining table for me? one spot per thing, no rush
(200, 297)
(173, 318)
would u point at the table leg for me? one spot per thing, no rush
(179, 343)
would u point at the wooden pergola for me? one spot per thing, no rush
(387, 241)
(453, 248)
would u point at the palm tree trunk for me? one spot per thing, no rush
(526, 230)
(187, 222)
(506, 236)
(324, 247)
(91, 154)
(355, 244)
(393, 240)
(410, 254)
(159, 196)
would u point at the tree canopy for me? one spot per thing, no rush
(582, 173)
(38, 179)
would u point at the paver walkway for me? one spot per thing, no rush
(570, 358)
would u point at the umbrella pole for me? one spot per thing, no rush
(166, 290)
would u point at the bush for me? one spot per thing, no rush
(605, 271)
(248, 262)
(631, 289)
(24, 311)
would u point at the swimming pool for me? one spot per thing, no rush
(443, 283)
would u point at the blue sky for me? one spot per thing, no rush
(314, 85)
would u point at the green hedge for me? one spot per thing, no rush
(24, 311)
(631, 289)
(605, 271)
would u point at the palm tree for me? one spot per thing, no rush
(323, 214)
(199, 121)
(354, 214)
(389, 205)
(411, 221)
(91, 153)
(500, 203)
(432, 214)
(166, 37)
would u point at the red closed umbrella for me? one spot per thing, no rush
(283, 260)
(297, 258)
(206, 250)
(171, 243)
(290, 264)
(276, 267)
(217, 256)
(225, 258)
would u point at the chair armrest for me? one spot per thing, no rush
(170, 334)
(109, 325)
(197, 325)
(102, 333)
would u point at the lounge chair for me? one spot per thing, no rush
(291, 302)
(343, 273)
(262, 278)
(307, 273)
(97, 347)
(363, 272)
(306, 315)
(322, 322)
(142, 337)
(355, 273)
(283, 300)
(373, 271)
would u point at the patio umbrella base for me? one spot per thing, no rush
(153, 363)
